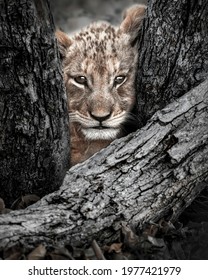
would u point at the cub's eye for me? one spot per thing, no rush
(82, 80)
(119, 80)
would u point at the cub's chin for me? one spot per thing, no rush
(100, 133)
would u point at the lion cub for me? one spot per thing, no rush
(99, 65)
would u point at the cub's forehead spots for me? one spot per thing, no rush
(91, 67)
(100, 48)
(98, 39)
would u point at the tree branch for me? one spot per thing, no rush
(152, 173)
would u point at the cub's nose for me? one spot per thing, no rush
(101, 117)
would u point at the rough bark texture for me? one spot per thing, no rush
(152, 173)
(34, 150)
(173, 53)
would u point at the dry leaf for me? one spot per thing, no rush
(151, 230)
(61, 253)
(2, 205)
(24, 201)
(97, 250)
(38, 253)
(13, 253)
(130, 238)
(115, 247)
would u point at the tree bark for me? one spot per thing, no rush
(153, 173)
(34, 149)
(173, 54)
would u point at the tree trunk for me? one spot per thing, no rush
(153, 173)
(173, 53)
(34, 149)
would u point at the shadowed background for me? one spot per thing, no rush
(71, 15)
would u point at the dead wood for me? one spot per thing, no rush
(153, 173)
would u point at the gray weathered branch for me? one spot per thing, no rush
(153, 173)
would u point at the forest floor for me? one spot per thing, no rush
(186, 239)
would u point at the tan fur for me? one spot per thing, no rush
(99, 65)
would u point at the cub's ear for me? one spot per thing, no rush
(132, 19)
(64, 42)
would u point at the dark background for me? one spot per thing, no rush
(71, 15)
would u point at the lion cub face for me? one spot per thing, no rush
(99, 65)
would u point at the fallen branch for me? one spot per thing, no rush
(153, 173)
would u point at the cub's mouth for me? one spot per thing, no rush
(98, 130)
(99, 127)
(100, 133)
